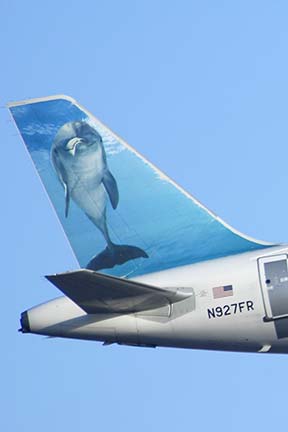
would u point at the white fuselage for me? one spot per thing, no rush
(244, 320)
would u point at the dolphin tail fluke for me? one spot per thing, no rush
(115, 254)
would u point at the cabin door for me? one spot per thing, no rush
(273, 272)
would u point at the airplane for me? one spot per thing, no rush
(156, 267)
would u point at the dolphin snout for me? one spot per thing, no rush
(72, 145)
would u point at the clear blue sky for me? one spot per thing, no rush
(199, 88)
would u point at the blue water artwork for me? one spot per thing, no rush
(121, 215)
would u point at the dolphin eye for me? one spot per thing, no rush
(90, 135)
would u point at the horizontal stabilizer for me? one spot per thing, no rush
(99, 293)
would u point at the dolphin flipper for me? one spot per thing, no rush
(62, 175)
(67, 199)
(117, 254)
(111, 188)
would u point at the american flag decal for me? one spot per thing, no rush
(223, 291)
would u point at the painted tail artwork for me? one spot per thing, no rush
(122, 216)
(79, 159)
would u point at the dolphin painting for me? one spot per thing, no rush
(79, 159)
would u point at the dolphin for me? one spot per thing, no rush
(79, 159)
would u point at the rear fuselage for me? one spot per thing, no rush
(238, 303)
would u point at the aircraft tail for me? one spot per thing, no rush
(98, 293)
(107, 195)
